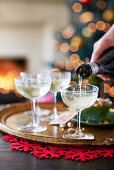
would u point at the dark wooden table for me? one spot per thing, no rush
(12, 160)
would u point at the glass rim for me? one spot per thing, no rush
(64, 88)
(60, 72)
(19, 78)
(34, 75)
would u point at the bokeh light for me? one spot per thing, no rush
(74, 47)
(59, 64)
(101, 4)
(68, 65)
(86, 32)
(64, 47)
(92, 27)
(86, 17)
(107, 27)
(77, 39)
(77, 7)
(68, 32)
(108, 15)
(74, 58)
(100, 25)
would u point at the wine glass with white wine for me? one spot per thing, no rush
(59, 80)
(40, 112)
(79, 98)
(33, 87)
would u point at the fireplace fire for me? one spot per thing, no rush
(9, 69)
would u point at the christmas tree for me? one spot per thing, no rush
(90, 19)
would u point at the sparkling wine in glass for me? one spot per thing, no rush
(59, 80)
(40, 112)
(79, 98)
(33, 87)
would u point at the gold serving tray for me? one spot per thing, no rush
(13, 116)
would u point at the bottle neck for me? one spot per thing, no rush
(86, 70)
(96, 68)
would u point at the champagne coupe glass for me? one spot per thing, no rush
(40, 112)
(59, 80)
(79, 98)
(33, 87)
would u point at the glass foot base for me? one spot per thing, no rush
(42, 112)
(33, 128)
(86, 136)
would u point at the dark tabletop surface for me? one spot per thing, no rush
(15, 160)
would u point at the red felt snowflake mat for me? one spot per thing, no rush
(82, 153)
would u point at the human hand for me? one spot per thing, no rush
(101, 45)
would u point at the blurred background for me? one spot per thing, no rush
(60, 34)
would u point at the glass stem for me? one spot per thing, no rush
(55, 109)
(38, 107)
(78, 130)
(33, 111)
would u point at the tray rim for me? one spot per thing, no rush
(46, 139)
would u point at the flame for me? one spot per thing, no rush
(7, 83)
(9, 69)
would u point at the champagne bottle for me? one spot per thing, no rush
(104, 66)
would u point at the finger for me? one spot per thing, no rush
(95, 45)
(102, 45)
(94, 49)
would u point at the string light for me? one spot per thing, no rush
(68, 33)
(101, 4)
(92, 27)
(107, 27)
(77, 7)
(74, 58)
(77, 39)
(100, 25)
(86, 32)
(68, 65)
(86, 17)
(74, 47)
(108, 15)
(64, 47)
